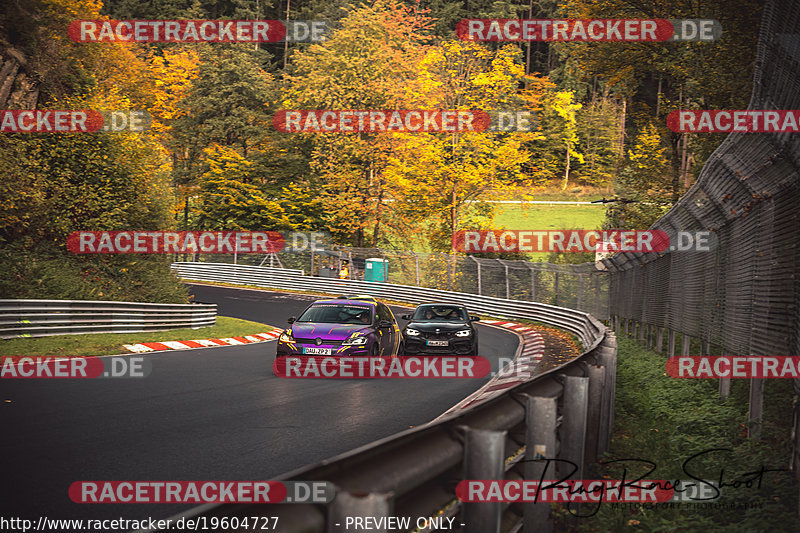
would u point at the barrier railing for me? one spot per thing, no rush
(581, 324)
(42, 318)
(566, 413)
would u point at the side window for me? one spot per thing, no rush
(384, 313)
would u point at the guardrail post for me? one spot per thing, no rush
(573, 429)
(756, 408)
(484, 458)
(540, 443)
(347, 505)
(573, 424)
(608, 358)
(597, 380)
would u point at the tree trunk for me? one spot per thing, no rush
(378, 211)
(566, 172)
(675, 139)
(621, 139)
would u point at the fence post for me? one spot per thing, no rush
(596, 279)
(660, 339)
(478, 266)
(555, 290)
(686, 345)
(484, 458)
(756, 408)
(505, 270)
(347, 505)
(724, 384)
(540, 443)
(671, 343)
(349, 264)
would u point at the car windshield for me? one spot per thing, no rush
(337, 314)
(440, 313)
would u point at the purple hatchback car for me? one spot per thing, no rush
(342, 327)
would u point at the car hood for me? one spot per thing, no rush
(329, 332)
(445, 327)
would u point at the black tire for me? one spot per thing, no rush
(401, 350)
(375, 350)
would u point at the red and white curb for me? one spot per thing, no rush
(201, 343)
(518, 371)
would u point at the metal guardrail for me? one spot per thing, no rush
(565, 413)
(581, 324)
(42, 318)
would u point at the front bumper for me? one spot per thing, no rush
(336, 349)
(455, 345)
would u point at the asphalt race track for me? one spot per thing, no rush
(206, 414)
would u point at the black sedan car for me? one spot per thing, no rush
(440, 329)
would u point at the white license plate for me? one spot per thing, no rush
(437, 343)
(317, 351)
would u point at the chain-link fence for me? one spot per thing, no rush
(582, 287)
(742, 297)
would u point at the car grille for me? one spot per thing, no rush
(438, 336)
(312, 342)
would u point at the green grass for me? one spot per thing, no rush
(545, 217)
(111, 343)
(667, 420)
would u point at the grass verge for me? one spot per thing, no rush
(667, 421)
(111, 343)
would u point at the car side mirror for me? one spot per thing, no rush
(384, 324)
(405, 317)
(474, 318)
(291, 319)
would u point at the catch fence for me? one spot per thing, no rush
(577, 286)
(742, 297)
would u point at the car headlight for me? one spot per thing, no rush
(463, 333)
(286, 336)
(355, 341)
(412, 332)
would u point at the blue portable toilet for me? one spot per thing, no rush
(376, 269)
